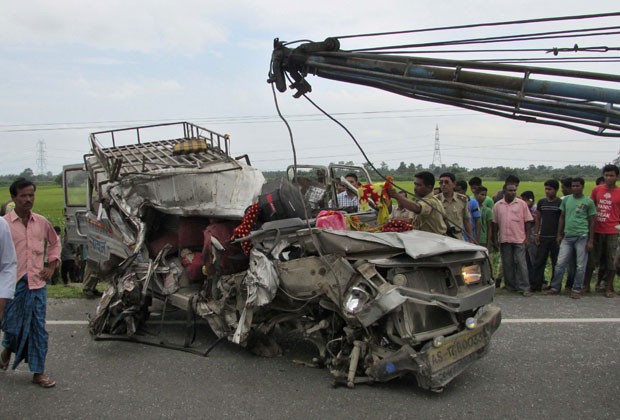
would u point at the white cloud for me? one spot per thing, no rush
(101, 61)
(188, 26)
(115, 89)
(142, 25)
(66, 61)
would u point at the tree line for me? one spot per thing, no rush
(47, 178)
(405, 172)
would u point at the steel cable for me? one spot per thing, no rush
(505, 38)
(485, 24)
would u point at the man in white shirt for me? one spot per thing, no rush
(348, 199)
(8, 266)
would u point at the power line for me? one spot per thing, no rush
(559, 60)
(485, 24)
(506, 38)
(313, 118)
(229, 117)
(555, 50)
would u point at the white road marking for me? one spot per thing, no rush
(504, 321)
(558, 320)
(66, 322)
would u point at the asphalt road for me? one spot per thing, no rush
(538, 367)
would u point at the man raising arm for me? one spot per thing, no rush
(428, 208)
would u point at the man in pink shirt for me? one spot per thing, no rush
(607, 199)
(38, 253)
(511, 217)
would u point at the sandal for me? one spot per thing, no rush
(609, 294)
(43, 381)
(4, 363)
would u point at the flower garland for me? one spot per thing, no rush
(380, 196)
(354, 223)
(248, 223)
(396, 226)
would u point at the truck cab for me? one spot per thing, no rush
(75, 187)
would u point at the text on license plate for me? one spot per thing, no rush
(454, 350)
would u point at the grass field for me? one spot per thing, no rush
(70, 291)
(48, 202)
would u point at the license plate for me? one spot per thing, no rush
(454, 350)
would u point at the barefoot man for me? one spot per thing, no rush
(38, 252)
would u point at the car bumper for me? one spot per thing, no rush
(436, 366)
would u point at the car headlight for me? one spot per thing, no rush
(355, 299)
(471, 273)
(471, 323)
(438, 341)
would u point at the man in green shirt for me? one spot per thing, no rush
(474, 184)
(575, 233)
(486, 216)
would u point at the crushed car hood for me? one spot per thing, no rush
(416, 244)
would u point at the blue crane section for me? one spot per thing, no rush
(531, 94)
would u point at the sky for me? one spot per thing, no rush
(72, 67)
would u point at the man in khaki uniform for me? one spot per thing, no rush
(428, 210)
(455, 205)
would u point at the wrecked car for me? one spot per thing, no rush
(183, 222)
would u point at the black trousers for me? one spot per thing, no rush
(548, 248)
(66, 271)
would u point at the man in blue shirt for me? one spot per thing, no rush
(474, 211)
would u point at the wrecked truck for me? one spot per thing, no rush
(174, 217)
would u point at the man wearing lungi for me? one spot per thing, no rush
(38, 252)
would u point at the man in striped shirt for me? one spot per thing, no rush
(348, 199)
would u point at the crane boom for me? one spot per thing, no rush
(505, 90)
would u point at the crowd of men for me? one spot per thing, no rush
(576, 233)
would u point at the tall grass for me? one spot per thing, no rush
(48, 202)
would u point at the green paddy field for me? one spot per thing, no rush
(48, 202)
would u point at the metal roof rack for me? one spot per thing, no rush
(144, 156)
